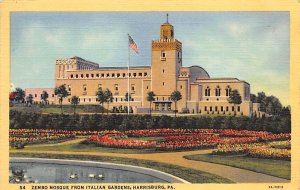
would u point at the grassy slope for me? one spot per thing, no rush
(193, 176)
(77, 147)
(278, 168)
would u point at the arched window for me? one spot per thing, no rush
(228, 90)
(218, 91)
(207, 91)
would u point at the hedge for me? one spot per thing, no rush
(31, 120)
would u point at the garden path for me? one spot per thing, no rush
(235, 174)
(73, 141)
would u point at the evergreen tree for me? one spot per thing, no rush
(74, 102)
(151, 98)
(20, 95)
(108, 97)
(101, 97)
(44, 97)
(235, 98)
(61, 92)
(175, 97)
(29, 100)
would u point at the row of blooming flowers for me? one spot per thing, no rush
(222, 132)
(117, 141)
(260, 150)
(31, 136)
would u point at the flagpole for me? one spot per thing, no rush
(128, 93)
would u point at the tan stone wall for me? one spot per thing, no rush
(36, 93)
(163, 74)
(183, 88)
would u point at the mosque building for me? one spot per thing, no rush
(200, 92)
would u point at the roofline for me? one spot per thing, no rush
(224, 78)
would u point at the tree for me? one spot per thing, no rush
(126, 99)
(175, 97)
(150, 98)
(235, 98)
(108, 97)
(101, 97)
(45, 96)
(29, 99)
(61, 92)
(269, 104)
(261, 97)
(20, 95)
(253, 98)
(12, 96)
(273, 105)
(74, 102)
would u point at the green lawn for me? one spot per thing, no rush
(278, 168)
(193, 176)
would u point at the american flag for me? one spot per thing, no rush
(133, 45)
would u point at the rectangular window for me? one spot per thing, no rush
(205, 108)
(238, 108)
(221, 108)
(169, 106)
(216, 108)
(84, 87)
(227, 109)
(163, 56)
(133, 87)
(156, 106)
(69, 88)
(232, 108)
(210, 108)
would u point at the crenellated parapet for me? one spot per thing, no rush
(166, 44)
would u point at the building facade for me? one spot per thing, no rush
(200, 93)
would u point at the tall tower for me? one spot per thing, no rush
(166, 62)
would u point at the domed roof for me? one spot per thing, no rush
(197, 72)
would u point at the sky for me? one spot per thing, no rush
(250, 46)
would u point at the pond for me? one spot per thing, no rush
(36, 170)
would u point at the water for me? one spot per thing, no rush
(36, 172)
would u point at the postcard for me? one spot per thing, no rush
(149, 95)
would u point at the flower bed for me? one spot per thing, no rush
(226, 140)
(32, 136)
(260, 150)
(117, 141)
